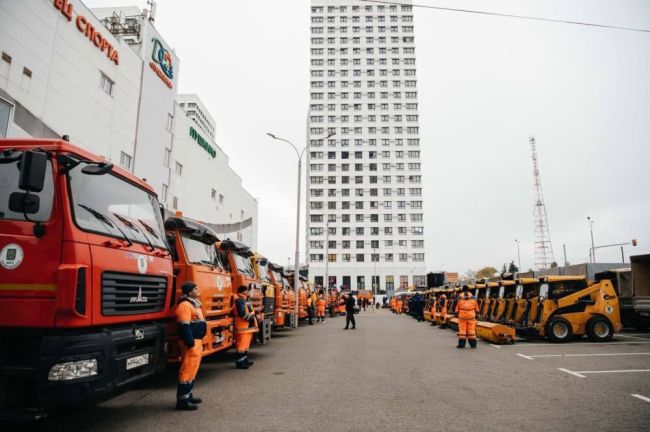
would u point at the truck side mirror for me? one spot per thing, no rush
(33, 165)
(20, 202)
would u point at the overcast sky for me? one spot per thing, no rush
(485, 85)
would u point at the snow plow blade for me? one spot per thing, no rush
(495, 333)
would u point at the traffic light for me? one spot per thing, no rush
(633, 242)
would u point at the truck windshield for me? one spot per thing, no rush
(198, 252)
(222, 257)
(9, 174)
(264, 272)
(109, 205)
(244, 264)
(278, 278)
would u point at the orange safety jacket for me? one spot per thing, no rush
(467, 307)
(245, 321)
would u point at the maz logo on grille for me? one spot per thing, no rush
(132, 294)
(139, 298)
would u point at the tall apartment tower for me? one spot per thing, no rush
(364, 190)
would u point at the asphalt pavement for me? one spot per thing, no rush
(393, 373)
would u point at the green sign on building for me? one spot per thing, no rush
(202, 142)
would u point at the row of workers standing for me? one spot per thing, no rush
(191, 330)
(466, 309)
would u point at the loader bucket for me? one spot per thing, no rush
(428, 316)
(495, 333)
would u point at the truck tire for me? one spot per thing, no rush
(599, 329)
(559, 330)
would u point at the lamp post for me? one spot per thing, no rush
(296, 276)
(593, 249)
(327, 255)
(375, 285)
(518, 255)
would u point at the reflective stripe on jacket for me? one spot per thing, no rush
(467, 307)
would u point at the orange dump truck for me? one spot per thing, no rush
(261, 267)
(242, 273)
(85, 276)
(281, 296)
(196, 259)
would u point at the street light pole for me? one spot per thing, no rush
(296, 274)
(327, 254)
(591, 230)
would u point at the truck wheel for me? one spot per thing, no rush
(599, 329)
(559, 329)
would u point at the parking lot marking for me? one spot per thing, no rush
(613, 371)
(572, 373)
(643, 398)
(634, 337)
(525, 344)
(495, 346)
(532, 357)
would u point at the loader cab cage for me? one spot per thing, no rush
(558, 289)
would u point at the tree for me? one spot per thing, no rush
(486, 272)
(512, 268)
(553, 264)
(504, 268)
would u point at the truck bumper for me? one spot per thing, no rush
(124, 355)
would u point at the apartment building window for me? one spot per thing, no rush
(106, 84)
(417, 244)
(316, 244)
(316, 257)
(388, 258)
(360, 258)
(359, 244)
(390, 282)
(345, 258)
(418, 257)
(331, 257)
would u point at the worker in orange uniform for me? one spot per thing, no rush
(434, 308)
(400, 305)
(321, 303)
(191, 329)
(442, 307)
(245, 327)
(466, 310)
(393, 304)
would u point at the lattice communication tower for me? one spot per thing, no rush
(543, 247)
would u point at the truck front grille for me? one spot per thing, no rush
(131, 294)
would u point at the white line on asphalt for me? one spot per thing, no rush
(523, 345)
(525, 356)
(643, 398)
(495, 346)
(633, 337)
(613, 371)
(572, 373)
(531, 357)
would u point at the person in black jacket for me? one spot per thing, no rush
(349, 312)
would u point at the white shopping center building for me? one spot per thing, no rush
(107, 79)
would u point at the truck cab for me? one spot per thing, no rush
(281, 296)
(196, 259)
(267, 287)
(85, 276)
(242, 273)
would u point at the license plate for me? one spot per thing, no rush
(137, 361)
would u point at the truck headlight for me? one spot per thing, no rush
(73, 370)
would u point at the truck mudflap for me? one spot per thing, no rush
(118, 356)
